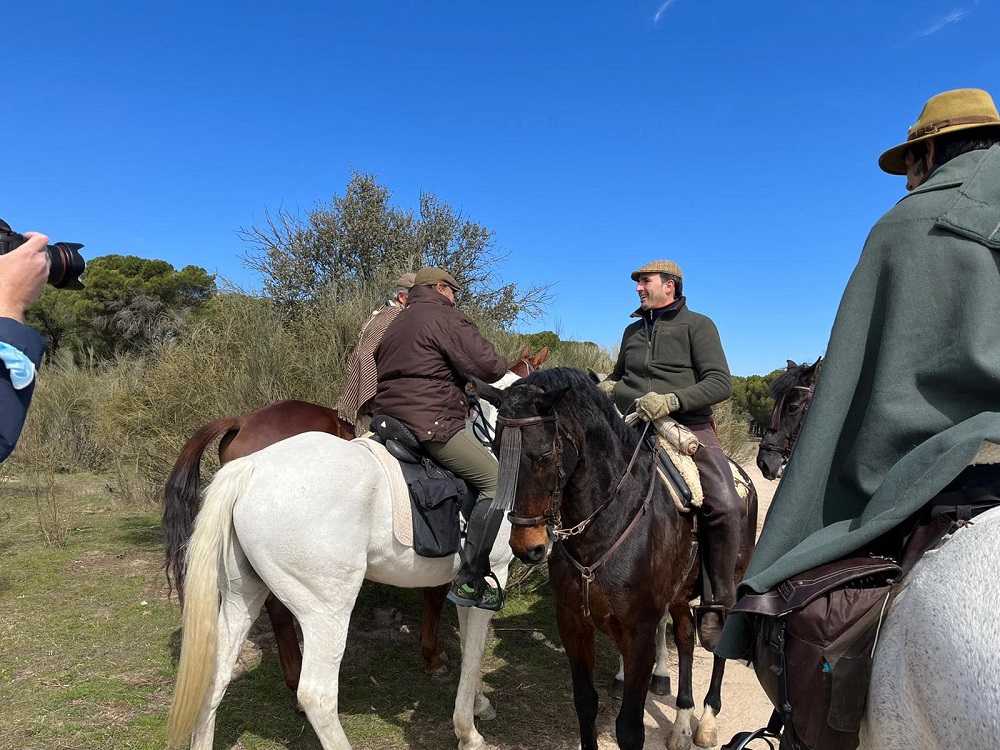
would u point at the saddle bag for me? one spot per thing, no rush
(814, 639)
(436, 496)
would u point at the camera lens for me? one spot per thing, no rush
(65, 265)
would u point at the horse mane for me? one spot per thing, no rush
(787, 380)
(590, 404)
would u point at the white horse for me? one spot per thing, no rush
(309, 519)
(936, 674)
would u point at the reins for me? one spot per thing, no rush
(510, 456)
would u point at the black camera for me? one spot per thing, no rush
(65, 262)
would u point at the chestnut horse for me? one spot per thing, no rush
(792, 393)
(566, 457)
(249, 433)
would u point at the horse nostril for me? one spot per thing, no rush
(536, 554)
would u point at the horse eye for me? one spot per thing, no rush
(795, 408)
(545, 458)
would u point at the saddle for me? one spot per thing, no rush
(437, 496)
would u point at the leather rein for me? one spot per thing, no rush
(552, 517)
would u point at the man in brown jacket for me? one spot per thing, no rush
(422, 361)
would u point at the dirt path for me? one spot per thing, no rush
(744, 705)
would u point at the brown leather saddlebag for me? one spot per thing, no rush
(815, 635)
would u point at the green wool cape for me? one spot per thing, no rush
(910, 387)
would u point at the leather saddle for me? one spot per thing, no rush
(437, 496)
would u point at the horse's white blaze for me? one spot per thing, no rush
(936, 674)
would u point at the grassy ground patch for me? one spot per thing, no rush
(89, 643)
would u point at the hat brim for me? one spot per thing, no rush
(893, 161)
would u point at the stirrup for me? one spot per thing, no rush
(478, 593)
(699, 615)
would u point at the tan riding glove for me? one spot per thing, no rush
(608, 387)
(652, 406)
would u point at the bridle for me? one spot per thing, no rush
(551, 518)
(785, 449)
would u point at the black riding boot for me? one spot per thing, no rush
(472, 587)
(721, 523)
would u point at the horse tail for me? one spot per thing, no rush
(207, 558)
(180, 498)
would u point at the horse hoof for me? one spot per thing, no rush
(441, 671)
(660, 685)
(617, 689)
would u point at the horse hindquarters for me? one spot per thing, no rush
(935, 681)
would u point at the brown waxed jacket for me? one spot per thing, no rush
(422, 362)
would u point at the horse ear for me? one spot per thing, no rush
(548, 400)
(525, 352)
(485, 390)
(791, 365)
(594, 375)
(542, 355)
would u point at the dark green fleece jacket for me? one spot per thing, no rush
(683, 356)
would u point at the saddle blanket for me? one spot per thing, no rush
(402, 513)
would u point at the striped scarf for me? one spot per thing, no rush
(362, 374)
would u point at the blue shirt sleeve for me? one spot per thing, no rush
(14, 402)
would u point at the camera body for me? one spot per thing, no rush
(65, 262)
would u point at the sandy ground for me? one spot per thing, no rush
(744, 705)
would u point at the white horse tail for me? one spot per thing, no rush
(207, 557)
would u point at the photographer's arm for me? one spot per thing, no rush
(23, 273)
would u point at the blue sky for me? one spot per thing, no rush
(737, 138)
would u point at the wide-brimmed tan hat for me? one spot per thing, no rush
(658, 266)
(429, 276)
(960, 109)
(406, 280)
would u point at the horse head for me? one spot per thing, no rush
(792, 393)
(543, 426)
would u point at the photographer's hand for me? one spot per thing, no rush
(23, 273)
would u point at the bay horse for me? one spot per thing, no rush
(249, 433)
(681, 619)
(792, 392)
(584, 495)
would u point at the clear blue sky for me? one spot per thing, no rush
(736, 138)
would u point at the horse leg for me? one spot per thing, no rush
(708, 728)
(289, 653)
(680, 737)
(239, 608)
(324, 633)
(578, 638)
(639, 651)
(470, 702)
(434, 657)
(660, 684)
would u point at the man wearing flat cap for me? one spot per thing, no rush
(908, 405)
(671, 362)
(355, 406)
(422, 363)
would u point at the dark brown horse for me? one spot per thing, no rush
(583, 494)
(792, 393)
(246, 434)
